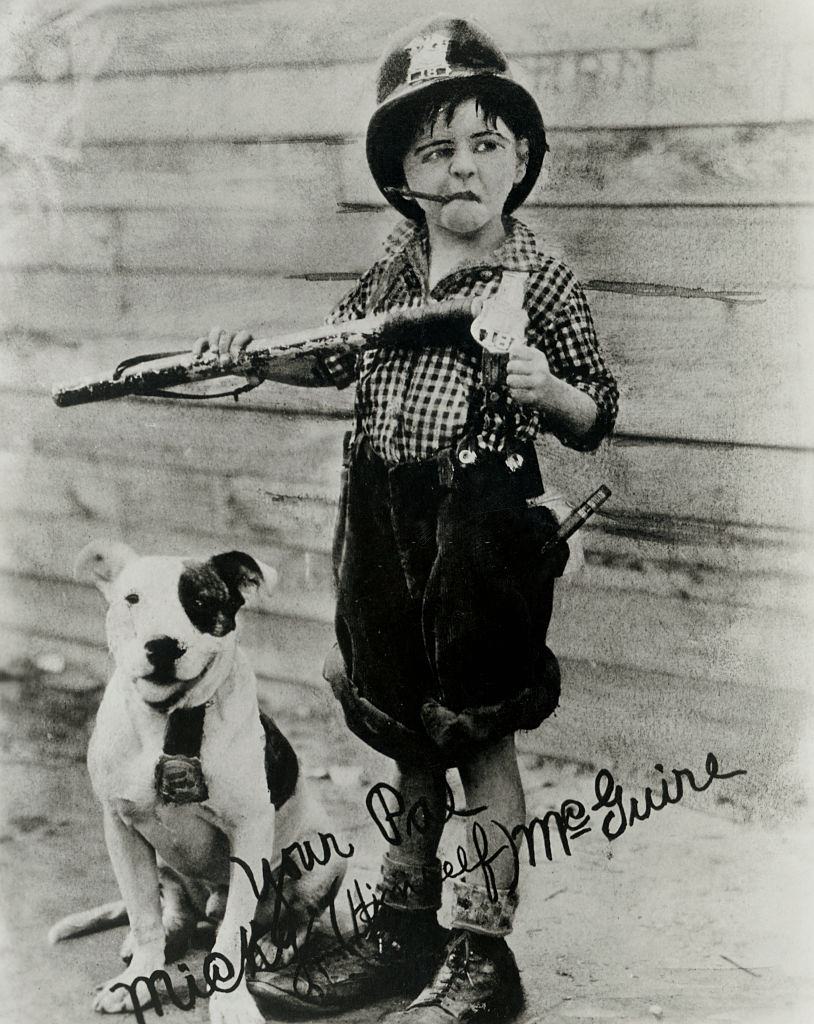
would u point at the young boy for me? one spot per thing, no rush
(443, 597)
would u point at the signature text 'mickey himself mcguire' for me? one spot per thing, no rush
(395, 820)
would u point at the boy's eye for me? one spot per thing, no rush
(132, 598)
(439, 153)
(486, 146)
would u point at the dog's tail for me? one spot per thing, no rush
(84, 922)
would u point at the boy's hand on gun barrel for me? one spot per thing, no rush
(228, 346)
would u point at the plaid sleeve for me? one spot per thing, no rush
(563, 328)
(340, 370)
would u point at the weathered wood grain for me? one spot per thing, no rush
(654, 486)
(44, 237)
(226, 439)
(670, 87)
(147, 37)
(734, 567)
(597, 89)
(178, 215)
(266, 103)
(273, 177)
(710, 483)
(99, 492)
(178, 306)
(756, 164)
(144, 37)
(298, 516)
(683, 638)
(708, 370)
(735, 23)
(757, 248)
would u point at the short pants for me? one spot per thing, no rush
(443, 603)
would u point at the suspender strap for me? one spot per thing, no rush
(502, 322)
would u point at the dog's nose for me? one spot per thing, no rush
(163, 650)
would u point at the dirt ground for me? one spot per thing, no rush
(689, 917)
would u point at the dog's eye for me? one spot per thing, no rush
(132, 599)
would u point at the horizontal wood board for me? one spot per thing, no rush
(731, 249)
(607, 88)
(721, 165)
(147, 36)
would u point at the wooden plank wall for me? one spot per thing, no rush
(166, 165)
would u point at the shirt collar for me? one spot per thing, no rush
(517, 251)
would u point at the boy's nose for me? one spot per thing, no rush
(462, 164)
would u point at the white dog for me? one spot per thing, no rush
(187, 770)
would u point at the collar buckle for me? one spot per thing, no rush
(179, 779)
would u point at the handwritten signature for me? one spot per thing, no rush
(395, 820)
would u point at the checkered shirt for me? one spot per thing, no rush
(413, 401)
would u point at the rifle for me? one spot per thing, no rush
(151, 375)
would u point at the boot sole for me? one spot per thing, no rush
(301, 1008)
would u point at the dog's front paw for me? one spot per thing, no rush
(236, 1007)
(127, 947)
(118, 994)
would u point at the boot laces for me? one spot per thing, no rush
(455, 968)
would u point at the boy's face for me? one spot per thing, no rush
(475, 161)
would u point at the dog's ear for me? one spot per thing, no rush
(243, 574)
(100, 562)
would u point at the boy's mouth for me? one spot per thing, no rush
(469, 197)
(433, 197)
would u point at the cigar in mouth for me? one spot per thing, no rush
(407, 193)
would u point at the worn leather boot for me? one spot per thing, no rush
(395, 955)
(477, 983)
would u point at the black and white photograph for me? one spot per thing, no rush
(406, 534)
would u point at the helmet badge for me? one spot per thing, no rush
(428, 58)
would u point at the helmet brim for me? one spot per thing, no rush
(386, 139)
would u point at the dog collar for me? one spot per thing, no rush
(179, 777)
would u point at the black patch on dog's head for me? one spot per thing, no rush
(211, 593)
